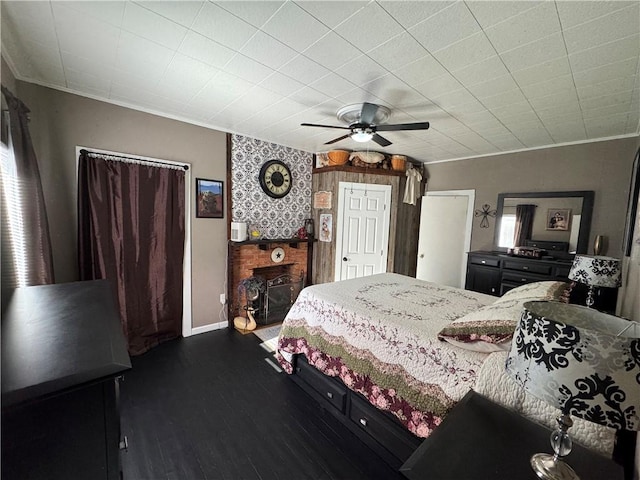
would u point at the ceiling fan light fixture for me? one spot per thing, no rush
(362, 137)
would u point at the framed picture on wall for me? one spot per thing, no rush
(209, 198)
(326, 227)
(558, 219)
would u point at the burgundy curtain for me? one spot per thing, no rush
(524, 224)
(131, 232)
(26, 244)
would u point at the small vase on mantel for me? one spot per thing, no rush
(598, 245)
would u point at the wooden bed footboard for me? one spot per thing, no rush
(379, 430)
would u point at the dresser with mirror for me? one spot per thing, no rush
(551, 227)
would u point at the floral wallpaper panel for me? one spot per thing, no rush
(275, 218)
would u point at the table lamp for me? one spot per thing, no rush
(595, 271)
(583, 362)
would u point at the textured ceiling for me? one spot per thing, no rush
(489, 76)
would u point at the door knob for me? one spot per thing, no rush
(422, 255)
(345, 259)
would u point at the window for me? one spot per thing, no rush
(12, 219)
(507, 231)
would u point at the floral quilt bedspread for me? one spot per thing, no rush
(378, 335)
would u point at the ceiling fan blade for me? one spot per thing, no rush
(368, 113)
(383, 142)
(403, 126)
(324, 126)
(337, 139)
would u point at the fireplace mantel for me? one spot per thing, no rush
(263, 243)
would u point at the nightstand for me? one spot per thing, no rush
(481, 439)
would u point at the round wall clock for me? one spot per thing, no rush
(275, 178)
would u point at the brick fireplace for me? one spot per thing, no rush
(253, 257)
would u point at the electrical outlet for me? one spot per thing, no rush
(223, 298)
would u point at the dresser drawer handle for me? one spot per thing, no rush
(363, 422)
(523, 279)
(329, 394)
(524, 267)
(483, 261)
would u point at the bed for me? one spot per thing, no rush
(413, 349)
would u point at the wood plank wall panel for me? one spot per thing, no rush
(324, 252)
(406, 251)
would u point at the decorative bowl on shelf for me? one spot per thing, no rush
(398, 162)
(338, 157)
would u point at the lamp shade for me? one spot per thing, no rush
(582, 361)
(596, 271)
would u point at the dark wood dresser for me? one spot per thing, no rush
(496, 273)
(62, 353)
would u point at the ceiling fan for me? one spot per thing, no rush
(364, 122)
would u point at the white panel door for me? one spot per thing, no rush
(362, 234)
(445, 237)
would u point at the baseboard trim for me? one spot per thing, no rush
(209, 328)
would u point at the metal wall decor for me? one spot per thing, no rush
(485, 213)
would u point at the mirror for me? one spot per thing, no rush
(559, 221)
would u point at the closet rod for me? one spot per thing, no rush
(87, 152)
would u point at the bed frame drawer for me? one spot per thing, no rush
(331, 390)
(384, 430)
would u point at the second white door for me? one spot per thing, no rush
(362, 230)
(445, 237)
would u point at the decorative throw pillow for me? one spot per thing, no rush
(548, 290)
(479, 335)
(491, 327)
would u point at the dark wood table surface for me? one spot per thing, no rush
(60, 336)
(479, 439)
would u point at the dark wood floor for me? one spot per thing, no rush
(211, 407)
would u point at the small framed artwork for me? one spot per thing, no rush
(326, 227)
(322, 200)
(558, 219)
(209, 198)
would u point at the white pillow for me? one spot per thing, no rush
(490, 328)
(480, 345)
(548, 290)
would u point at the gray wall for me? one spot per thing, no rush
(61, 121)
(604, 167)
